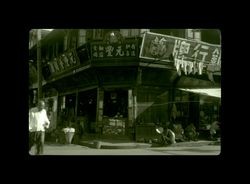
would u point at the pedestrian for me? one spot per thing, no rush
(38, 121)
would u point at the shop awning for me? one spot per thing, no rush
(215, 92)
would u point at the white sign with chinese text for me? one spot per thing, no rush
(188, 55)
(103, 50)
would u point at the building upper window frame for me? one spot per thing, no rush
(130, 32)
(194, 34)
(98, 34)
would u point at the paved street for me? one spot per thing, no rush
(195, 148)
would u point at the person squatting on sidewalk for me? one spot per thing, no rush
(38, 121)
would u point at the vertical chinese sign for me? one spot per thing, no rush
(189, 56)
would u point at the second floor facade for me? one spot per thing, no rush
(63, 50)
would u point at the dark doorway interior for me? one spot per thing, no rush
(66, 111)
(87, 109)
(116, 103)
(194, 109)
(70, 104)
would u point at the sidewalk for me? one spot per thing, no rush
(111, 144)
(114, 147)
(114, 144)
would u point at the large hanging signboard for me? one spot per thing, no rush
(190, 56)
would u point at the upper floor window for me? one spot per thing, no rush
(98, 34)
(81, 37)
(70, 39)
(193, 34)
(130, 32)
(171, 32)
(143, 31)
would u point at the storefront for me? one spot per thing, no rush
(78, 109)
(197, 67)
(115, 93)
(200, 107)
(96, 101)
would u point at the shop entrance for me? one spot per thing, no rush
(66, 110)
(115, 111)
(86, 111)
(116, 103)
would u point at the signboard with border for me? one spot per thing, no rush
(183, 52)
(104, 50)
(63, 63)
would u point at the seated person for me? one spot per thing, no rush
(212, 129)
(179, 132)
(191, 133)
(169, 135)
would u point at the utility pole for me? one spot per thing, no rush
(39, 73)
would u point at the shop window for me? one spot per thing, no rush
(116, 103)
(152, 106)
(180, 110)
(209, 111)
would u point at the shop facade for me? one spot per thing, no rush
(103, 88)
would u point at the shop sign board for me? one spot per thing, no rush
(183, 52)
(64, 62)
(104, 50)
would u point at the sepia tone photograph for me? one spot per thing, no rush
(124, 92)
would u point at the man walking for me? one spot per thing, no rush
(38, 121)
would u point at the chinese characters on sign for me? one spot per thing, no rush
(189, 56)
(64, 62)
(105, 51)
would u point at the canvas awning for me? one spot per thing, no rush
(214, 92)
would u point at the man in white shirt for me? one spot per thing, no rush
(38, 121)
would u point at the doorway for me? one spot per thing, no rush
(115, 112)
(116, 103)
(86, 111)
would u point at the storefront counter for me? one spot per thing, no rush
(114, 126)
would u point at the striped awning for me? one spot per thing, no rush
(214, 92)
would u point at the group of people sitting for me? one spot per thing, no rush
(173, 133)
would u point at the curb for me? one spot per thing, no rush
(104, 145)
